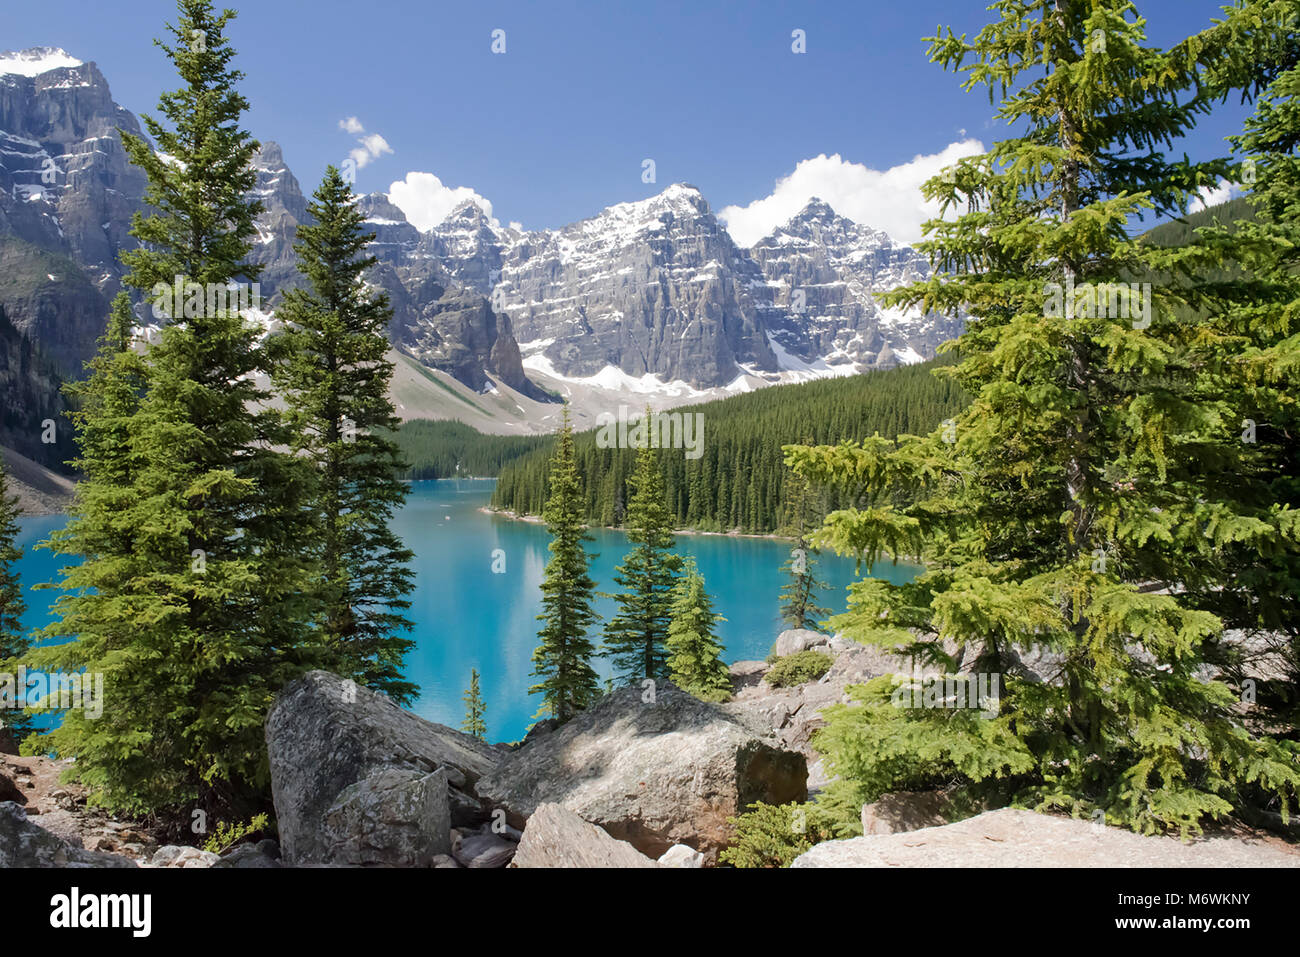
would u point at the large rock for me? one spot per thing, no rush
(324, 735)
(658, 773)
(485, 848)
(556, 837)
(1014, 838)
(679, 855)
(395, 817)
(794, 640)
(24, 844)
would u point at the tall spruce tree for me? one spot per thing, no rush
(333, 373)
(562, 661)
(474, 709)
(1092, 481)
(635, 638)
(13, 641)
(694, 652)
(799, 607)
(205, 608)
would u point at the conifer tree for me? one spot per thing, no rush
(204, 609)
(635, 637)
(562, 661)
(1091, 481)
(1256, 312)
(799, 608)
(694, 652)
(334, 373)
(13, 642)
(474, 709)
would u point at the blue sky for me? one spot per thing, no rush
(558, 126)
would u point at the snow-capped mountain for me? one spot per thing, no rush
(656, 291)
(821, 271)
(651, 298)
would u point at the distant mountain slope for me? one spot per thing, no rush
(1179, 232)
(39, 490)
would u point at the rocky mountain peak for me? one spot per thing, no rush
(378, 208)
(466, 214)
(269, 157)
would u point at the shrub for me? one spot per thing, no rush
(798, 668)
(228, 835)
(773, 835)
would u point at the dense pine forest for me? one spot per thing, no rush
(737, 483)
(435, 450)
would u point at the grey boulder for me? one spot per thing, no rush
(395, 817)
(653, 770)
(1016, 838)
(794, 640)
(330, 743)
(556, 837)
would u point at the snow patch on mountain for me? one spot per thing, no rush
(35, 61)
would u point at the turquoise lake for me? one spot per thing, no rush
(466, 616)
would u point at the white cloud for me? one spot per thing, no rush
(890, 200)
(426, 201)
(372, 145)
(1213, 196)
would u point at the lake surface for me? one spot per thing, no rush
(467, 616)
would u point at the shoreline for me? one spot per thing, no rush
(538, 520)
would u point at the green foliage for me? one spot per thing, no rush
(442, 449)
(636, 637)
(694, 653)
(1096, 489)
(332, 371)
(799, 608)
(1258, 330)
(562, 660)
(739, 480)
(13, 642)
(474, 709)
(798, 668)
(193, 599)
(229, 834)
(773, 835)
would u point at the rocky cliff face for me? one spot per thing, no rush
(67, 194)
(659, 288)
(284, 207)
(822, 270)
(654, 287)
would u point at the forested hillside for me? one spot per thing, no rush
(435, 450)
(1181, 232)
(737, 482)
(32, 404)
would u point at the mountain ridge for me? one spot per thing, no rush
(646, 299)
